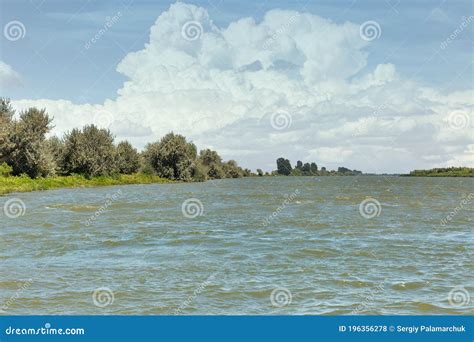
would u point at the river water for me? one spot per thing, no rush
(272, 245)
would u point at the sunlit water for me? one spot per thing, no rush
(277, 245)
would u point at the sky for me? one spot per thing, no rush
(378, 86)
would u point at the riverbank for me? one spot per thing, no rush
(25, 184)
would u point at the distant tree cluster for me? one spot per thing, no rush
(309, 169)
(91, 151)
(444, 172)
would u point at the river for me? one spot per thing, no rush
(273, 245)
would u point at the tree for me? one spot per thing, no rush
(260, 172)
(283, 166)
(6, 122)
(213, 163)
(314, 169)
(232, 170)
(55, 147)
(171, 157)
(90, 152)
(306, 169)
(25, 148)
(128, 159)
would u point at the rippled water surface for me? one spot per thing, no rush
(277, 245)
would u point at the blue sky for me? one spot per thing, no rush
(400, 101)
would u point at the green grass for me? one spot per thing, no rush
(24, 183)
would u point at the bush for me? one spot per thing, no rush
(5, 170)
(212, 162)
(128, 159)
(24, 147)
(232, 170)
(90, 152)
(171, 157)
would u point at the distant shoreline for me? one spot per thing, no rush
(13, 184)
(443, 172)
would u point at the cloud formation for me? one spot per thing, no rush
(224, 86)
(8, 76)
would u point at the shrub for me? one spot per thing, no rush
(5, 170)
(128, 159)
(171, 157)
(89, 152)
(24, 147)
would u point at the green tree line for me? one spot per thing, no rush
(92, 152)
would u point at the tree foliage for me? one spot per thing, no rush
(128, 158)
(171, 157)
(284, 166)
(90, 152)
(24, 145)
